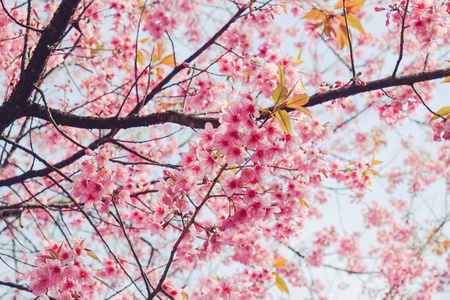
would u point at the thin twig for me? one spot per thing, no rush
(344, 8)
(402, 39)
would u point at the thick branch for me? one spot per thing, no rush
(376, 85)
(66, 119)
(14, 107)
(194, 121)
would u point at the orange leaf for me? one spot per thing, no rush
(280, 263)
(304, 203)
(297, 101)
(315, 14)
(140, 58)
(280, 283)
(159, 51)
(352, 6)
(375, 173)
(328, 28)
(444, 112)
(169, 60)
(342, 36)
(85, 83)
(446, 244)
(92, 254)
(447, 79)
(185, 295)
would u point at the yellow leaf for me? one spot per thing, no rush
(284, 120)
(159, 51)
(247, 77)
(279, 95)
(375, 173)
(280, 283)
(169, 60)
(281, 76)
(304, 110)
(376, 162)
(315, 14)
(144, 40)
(352, 6)
(297, 101)
(442, 112)
(304, 203)
(298, 61)
(92, 254)
(140, 58)
(447, 79)
(143, 15)
(141, 4)
(280, 263)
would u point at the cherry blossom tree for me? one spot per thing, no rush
(224, 149)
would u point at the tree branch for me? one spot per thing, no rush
(194, 121)
(52, 35)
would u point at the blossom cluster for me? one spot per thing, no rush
(61, 272)
(96, 185)
(441, 130)
(428, 22)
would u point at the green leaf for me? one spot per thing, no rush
(297, 101)
(299, 61)
(292, 89)
(304, 110)
(281, 76)
(355, 23)
(279, 95)
(280, 283)
(284, 119)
